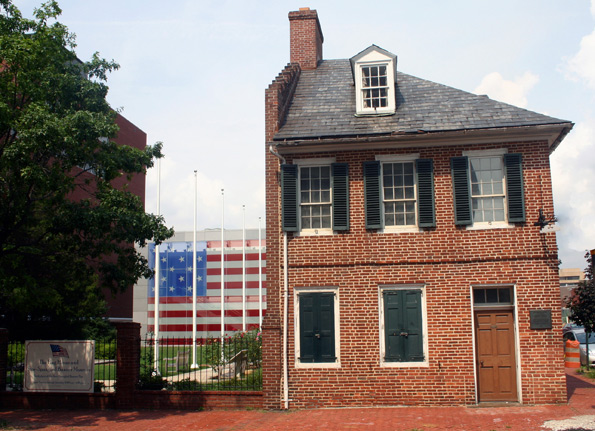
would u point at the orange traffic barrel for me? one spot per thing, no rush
(573, 354)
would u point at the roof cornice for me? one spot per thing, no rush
(552, 133)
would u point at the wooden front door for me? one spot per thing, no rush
(496, 358)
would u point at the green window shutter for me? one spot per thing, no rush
(340, 178)
(426, 216)
(414, 348)
(461, 190)
(514, 187)
(393, 341)
(317, 327)
(289, 197)
(403, 326)
(372, 195)
(306, 327)
(326, 351)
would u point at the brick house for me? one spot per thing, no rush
(404, 263)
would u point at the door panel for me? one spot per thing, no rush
(496, 359)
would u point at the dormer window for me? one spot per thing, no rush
(374, 75)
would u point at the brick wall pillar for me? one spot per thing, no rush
(128, 363)
(3, 357)
(272, 367)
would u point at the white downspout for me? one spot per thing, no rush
(285, 305)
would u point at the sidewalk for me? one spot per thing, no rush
(581, 393)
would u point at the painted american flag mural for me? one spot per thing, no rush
(175, 287)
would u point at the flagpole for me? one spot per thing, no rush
(157, 277)
(222, 269)
(194, 275)
(259, 273)
(244, 269)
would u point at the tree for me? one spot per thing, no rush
(66, 232)
(582, 302)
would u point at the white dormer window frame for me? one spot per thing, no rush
(374, 73)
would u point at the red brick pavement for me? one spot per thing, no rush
(581, 393)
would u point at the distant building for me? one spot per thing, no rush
(176, 285)
(569, 279)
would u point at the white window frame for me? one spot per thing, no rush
(296, 329)
(424, 311)
(327, 161)
(398, 158)
(375, 58)
(489, 224)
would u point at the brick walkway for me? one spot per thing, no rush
(581, 394)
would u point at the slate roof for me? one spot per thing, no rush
(323, 106)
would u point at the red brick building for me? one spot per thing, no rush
(120, 305)
(406, 263)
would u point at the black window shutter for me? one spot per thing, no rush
(426, 216)
(372, 195)
(340, 175)
(514, 187)
(289, 197)
(461, 190)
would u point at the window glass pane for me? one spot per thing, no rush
(505, 296)
(479, 296)
(492, 296)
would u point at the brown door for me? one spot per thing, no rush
(496, 362)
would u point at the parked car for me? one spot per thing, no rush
(577, 333)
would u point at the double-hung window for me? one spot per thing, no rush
(399, 193)
(488, 188)
(374, 86)
(315, 196)
(403, 340)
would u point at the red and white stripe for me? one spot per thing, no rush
(175, 313)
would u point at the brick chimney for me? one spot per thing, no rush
(305, 38)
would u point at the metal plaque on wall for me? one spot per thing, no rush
(541, 319)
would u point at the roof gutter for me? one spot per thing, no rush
(552, 133)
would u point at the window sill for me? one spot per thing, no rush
(424, 364)
(490, 225)
(317, 364)
(404, 229)
(315, 232)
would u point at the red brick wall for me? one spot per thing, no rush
(447, 260)
(120, 305)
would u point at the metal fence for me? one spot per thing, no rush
(231, 363)
(105, 366)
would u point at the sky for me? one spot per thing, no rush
(193, 74)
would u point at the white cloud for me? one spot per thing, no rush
(582, 65)
(512, 92)
(574, 193)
